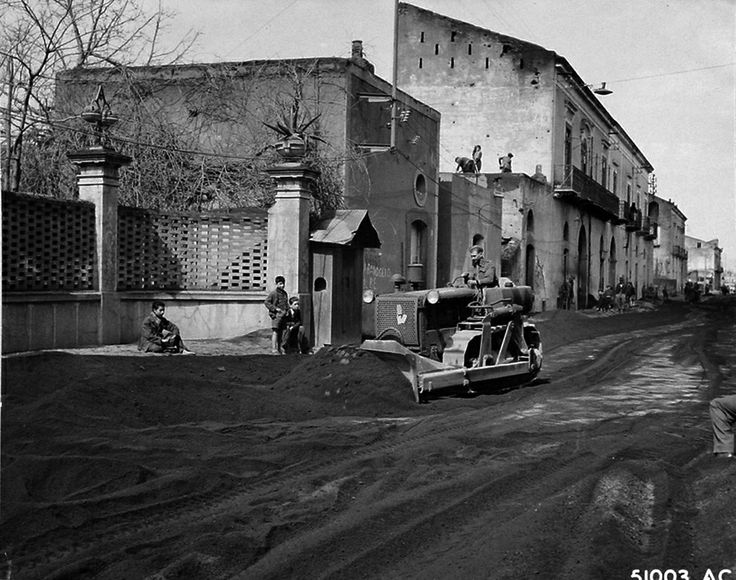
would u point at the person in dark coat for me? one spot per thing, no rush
(159, 334)
(465, 165)
(723, 418)
(277, 303)
(294, 339)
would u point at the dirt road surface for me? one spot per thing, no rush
(237, 464)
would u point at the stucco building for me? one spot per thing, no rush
(223, 107)
(704, 263)
(578, 203)
(670, 254)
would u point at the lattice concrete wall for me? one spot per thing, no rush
(187, 251)
(48, 244)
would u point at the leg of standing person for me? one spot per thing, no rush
(723, 418)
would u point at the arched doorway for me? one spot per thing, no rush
(581, 284)
(612, 263)
(601, 271)
(529, 269)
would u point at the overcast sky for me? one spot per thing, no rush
(670, 64)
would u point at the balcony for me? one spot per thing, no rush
(574, 187)
(679, 252)
(631, 217)
(649, 227)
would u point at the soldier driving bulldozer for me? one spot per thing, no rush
(484, 276)
(484, 272)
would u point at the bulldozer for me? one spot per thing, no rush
(457, 339)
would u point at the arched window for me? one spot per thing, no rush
(418, 243)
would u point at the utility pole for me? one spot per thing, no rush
(394, 104)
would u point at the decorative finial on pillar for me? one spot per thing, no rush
(99, 113)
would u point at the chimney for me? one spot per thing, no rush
(357, 49)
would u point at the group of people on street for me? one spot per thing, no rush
(287, 332)
(474, 163)
(625, 294)
(160, 335)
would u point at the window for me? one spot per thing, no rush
(421, 37)
(417, 243)
(604, 171)
(470, 49)
(436, 48)
(614, 185)
(568, 146)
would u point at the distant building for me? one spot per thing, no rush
(704, 263)
(670, 254)
(577, 201)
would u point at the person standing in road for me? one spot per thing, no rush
(277, 303)
(723, 418)
(620, 294)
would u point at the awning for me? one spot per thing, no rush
(348, 227)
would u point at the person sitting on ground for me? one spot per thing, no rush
(159, 334)
(277, 303)
(723, 418)
(465, 165)
(294, 338)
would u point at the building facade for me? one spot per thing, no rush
(223, 107)
(589, 221)
(670, 253)
(704, 264)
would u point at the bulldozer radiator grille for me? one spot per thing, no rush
(398, 313)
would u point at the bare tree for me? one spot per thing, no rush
(41, 37)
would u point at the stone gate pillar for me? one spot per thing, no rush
(288, 226)
(98, 182)
(288, 233)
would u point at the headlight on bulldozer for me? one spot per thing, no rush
(368, 296)
(433, 297)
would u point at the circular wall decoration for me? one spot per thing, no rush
(420, 190)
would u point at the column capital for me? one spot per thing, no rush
(99, 156)
(293, 171)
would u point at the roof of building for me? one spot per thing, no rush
(348, 227)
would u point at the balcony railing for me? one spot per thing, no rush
(679, 252)
(649, 227)
(573, 186)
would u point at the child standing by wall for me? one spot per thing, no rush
(277, 303)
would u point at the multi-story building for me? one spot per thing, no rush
(576, 202)
(704, 263)
(223, 107)
(670, 254)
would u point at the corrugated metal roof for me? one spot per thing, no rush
(348, 227)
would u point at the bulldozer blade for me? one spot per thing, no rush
(427, 375)
(409, 363)
(454, 377)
